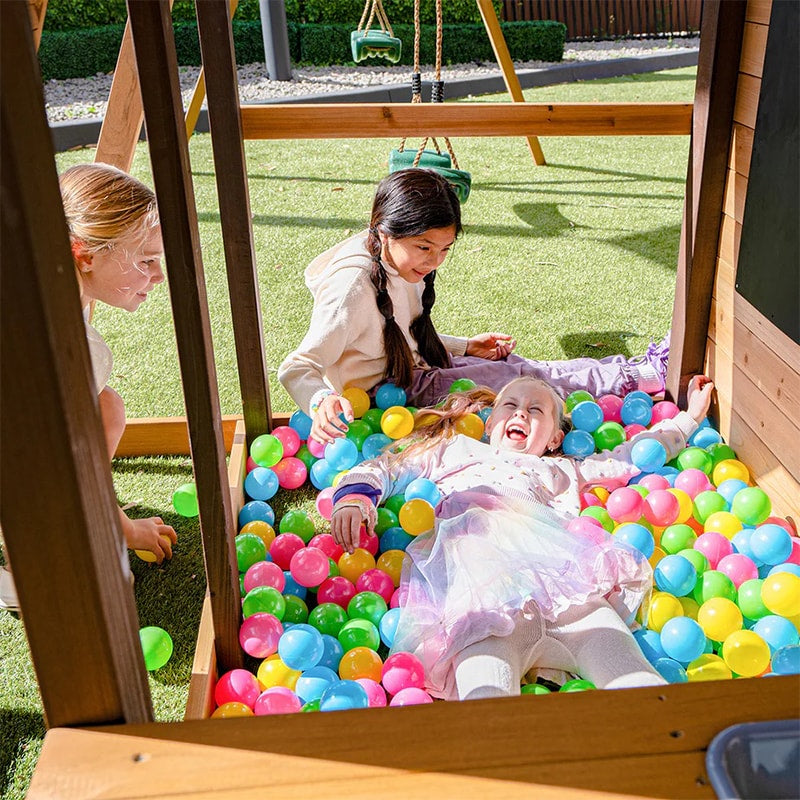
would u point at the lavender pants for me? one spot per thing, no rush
(611, 375)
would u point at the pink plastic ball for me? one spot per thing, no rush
(588, 528)
(237, 686)
(368, 541)
(277, 700)
(624, 505)
(309, 566)
(738, 567)
(794, 558)
(264, 573)
(289, 438)
(632, 429)
(376, 696)
(411, 697)
(317, 449)
(399, 597)
(250, 465)
(654, 481)
(283, 547)
(337, 590)
(326, 543)
(402, 671)
(325, 502)
(375, 580)
(259, 635)
(590, 499)
(661, 508)
(664, 409)
(611, 405)
(291, 472)
(692, 481)
(714, 546)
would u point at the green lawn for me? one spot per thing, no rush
(576, 258)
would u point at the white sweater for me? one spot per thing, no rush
(344, 343)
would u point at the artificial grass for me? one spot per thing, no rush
(576, 258)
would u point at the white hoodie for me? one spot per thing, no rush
(344, 343)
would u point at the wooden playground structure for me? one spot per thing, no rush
(102, 741)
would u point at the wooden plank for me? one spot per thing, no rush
(510, 78)
(759, 11)
(735, 195)
(384, 120)
(741, 149)
(216, 44)
(754, 46)
(165, 436)
(37, 9)
(747, 93)
(786, 349)
(157, 66)
(730, 237)
(65, 543)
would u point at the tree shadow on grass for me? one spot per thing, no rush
(18, 729)
(660, 245)
(596, 344)
(545, 219)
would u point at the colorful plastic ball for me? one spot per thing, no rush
(301, 647)
(461, 385)
(706, 503)
(232, 711)
(412, 696)
(358, 399)
(375, 581)
(685, 506)
(664, 409)
(368, 541)
(263, 599)
(751, 505)
(401, 671)
(578, 444)
(374, 445)
(339, 590)
(609, 435)
(636, 536)
(266, 450)
(728, 489)
(357, 433)
(661, 608)
(328, 618)
(675, 538)
(650, 644)
(249, 550)
(277, 700)
(400, 597)
(391, 563)
(676, 575)
(587, 416)
(359, 633)
(256, 510)
(296, 610)
(324, 502)
(738, 567)
(298, 522)
(611, 406)
(749, 600)
(397, 422)
(367, 605)
(352, 565)
(746, 653)
(317, 449)
(661, 508)
(147, 555)
(671, 670)
(588, 528)
(341, 453)
(390, 395)
(395, 538)
(301, 423)
(310, 707)
(261, 483)
(780, 593)
(343, 695)
(692, 481)
(264, 573)
(776, 631)
(714, 546)
(360, 662)
(601, 515)
(272, 671)
(470, 425)
(624, 505)
(237, 686)
(648, 455)
(305, 455)
(695, 458)
(713, 583)
(651, 481)
(332, 654)
(719, 617)
(386, 519)
(534, 688)
(373, 419)
(786, 661)
(578, 396)
(704, 437)
(309, 566)
(771, 543)
(292, 587)
(416, 516)
(259, 634)
(577, 685)
(289, 439)
(321, 474)
(388, 626)
(284, 546)
(376, 695)
(683, 639)
(184, 500)
(313, 682)
(695, 557)
(636, 411)
(722, 522)
(727, 469)
(156, 647)
(634, 429)
(423, 489)
(708, 667)
(291, 473)
(658, 554)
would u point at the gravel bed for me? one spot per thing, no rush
(85, 98)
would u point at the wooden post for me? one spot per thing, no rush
(718, 67)
(503, 57)
(37, 9)
(60, 519)
(216, 44)
(157, 66)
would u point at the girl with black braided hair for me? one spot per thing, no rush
(371, 321)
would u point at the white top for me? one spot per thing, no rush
(100, 353)
(344, 343)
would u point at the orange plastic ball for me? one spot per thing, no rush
(360, 662)
(359, 399)
(391, 562)
(470, 425)
(262, 529)
(352, 565)
(416, 516)
(232, 710)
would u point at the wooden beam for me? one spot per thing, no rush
(718, 61)
(219, 61)
(37, 9)
(390, 120)
(62, 533)
(157, 66)
(510, 78)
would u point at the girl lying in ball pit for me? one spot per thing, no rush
(502, 584)
(371, 321)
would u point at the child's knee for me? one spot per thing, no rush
(112, 412)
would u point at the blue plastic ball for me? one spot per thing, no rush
(635, 411)
(293, 587)
(343, 695)
(704, 437)
(313, 682)
(484, 413)
(671, 670)
(301, 422)
(648, 454)
(390, 395)
(341, 454)
(787, 567)
(776, 631)
(771, 544)
(786, 661)
(301, 647)
(670, 473)
(683, 639)
(322, 474)
(256, 509)
(650, 644)
(675, 574)
(394, 538)
(741, 544)
(332, 654)
(729, 487)
(388, 625)
(578, 443)
(374, 444)
(636, 536)
(261, 483)
(638, 394)
(424, 489)
(587, 416)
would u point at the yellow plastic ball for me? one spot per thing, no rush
(746, 653)
(719, 618)
(686, 507)
(397, 422)
(730, 468)
(232, 710)
(359, 399)
(360, 662)
(391, 562)
(601, 493)
(662, 607)
(262, 529)
(658, 554)
(421, 420)
(780, 593)
(352, 565)
(708, 667)
(722, 522)
(416, 516)
(470, 425)
(149, 557)
(273, 672)
(690, 607)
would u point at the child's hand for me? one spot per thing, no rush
(327, 424)
(149, 534)
(698, 397)
(346, 527)
(491, 346)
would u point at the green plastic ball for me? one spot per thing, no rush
(609, 435)
(184, 500)
(367, 605)
(462, 385)
(695, 458)
(311, 705)
(676, 538)
(601, 515)
(357, 431)
(298, 522)
(713, 583)
(266, 450)
(395, 503)
(328, 618)
(373, 419)
(576, 397)
(359, 633)
(707, 503)
(304, 454)
(296, 609)
(156, 647)
(386, 519)
(719, 451)
(264, 599)
(534, 688)
(695, 558)
(250, 549)
(577, 685)
(749, 600)
(751, 505)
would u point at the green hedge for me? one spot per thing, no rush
(82, 53)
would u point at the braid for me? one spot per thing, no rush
(428, 341)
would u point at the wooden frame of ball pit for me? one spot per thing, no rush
(564, 746)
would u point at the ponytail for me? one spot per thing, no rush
(428, 341)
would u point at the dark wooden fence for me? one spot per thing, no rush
(609, 19)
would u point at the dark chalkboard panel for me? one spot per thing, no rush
(768, 274)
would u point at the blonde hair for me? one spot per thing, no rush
(103, 204)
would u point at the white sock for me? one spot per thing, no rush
(648, 379)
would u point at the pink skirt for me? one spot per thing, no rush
(492, 559)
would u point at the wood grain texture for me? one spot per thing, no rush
(754, 47)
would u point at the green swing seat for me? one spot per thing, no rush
(459, 179)
(375, 44)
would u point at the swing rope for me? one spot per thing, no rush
(375, 9)
(366, 43)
